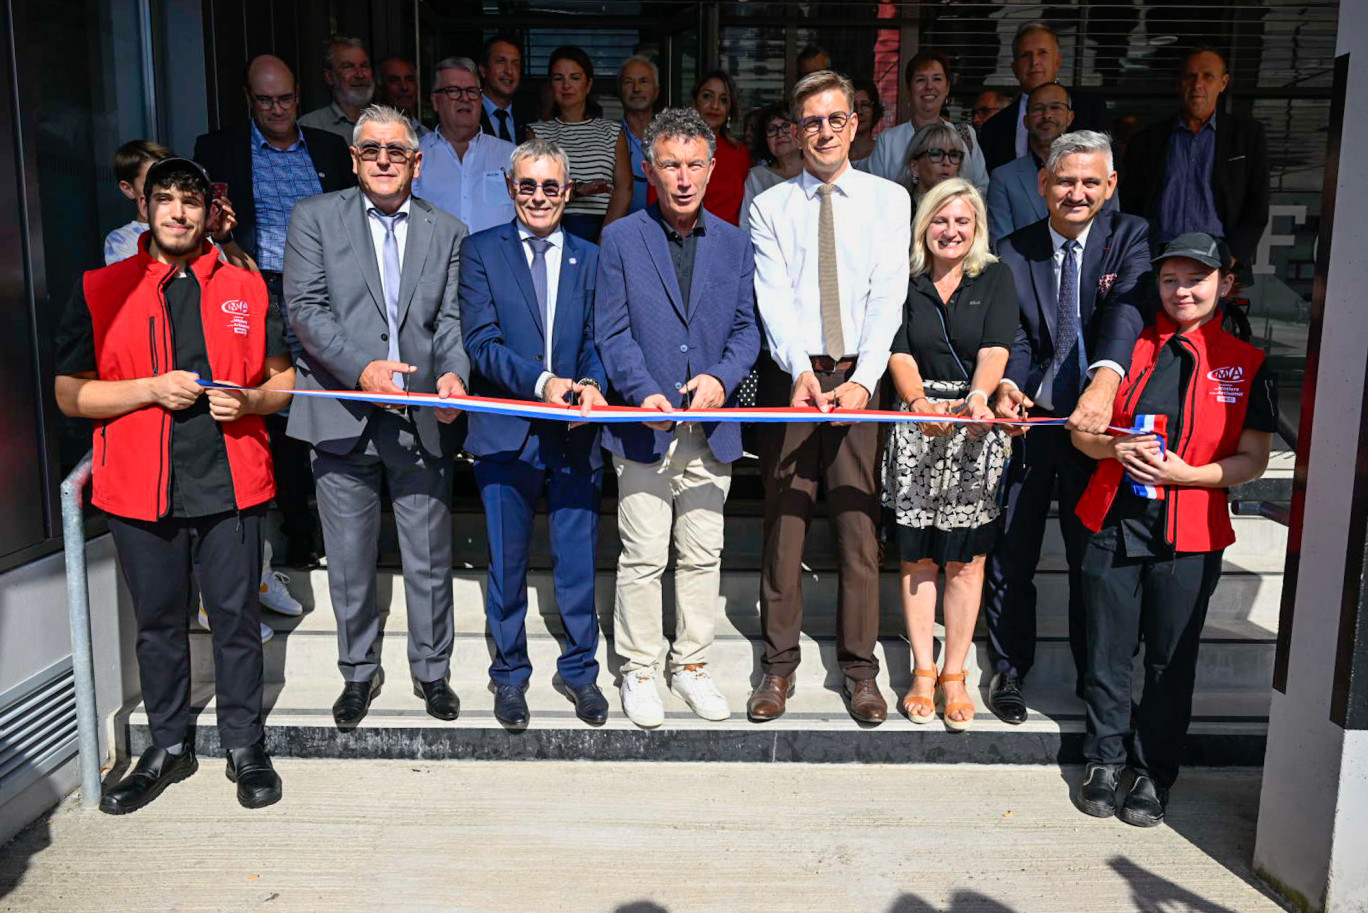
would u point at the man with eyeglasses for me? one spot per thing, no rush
(988, 103)
(463, 167)
(370, 280)
(270, 164)
(831, 274)
(527, 295)
(1014, 197)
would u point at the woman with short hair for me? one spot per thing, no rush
(777, 150)
(936, 154)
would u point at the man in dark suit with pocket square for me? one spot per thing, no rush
(1081, 274)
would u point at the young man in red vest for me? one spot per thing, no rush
(183, 472)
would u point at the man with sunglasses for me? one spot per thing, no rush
(463, 167)
(831, 272)
(370, 281)
(527, 293)
(269, 164)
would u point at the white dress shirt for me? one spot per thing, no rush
(553, 268)
(889, 158)
(377, 233)
(471, 188)
(873, 220)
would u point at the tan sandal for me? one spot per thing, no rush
(955, 706)
(912, 703)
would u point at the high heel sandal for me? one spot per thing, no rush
(954, 706)
(911, 703)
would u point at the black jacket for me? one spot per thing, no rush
(227, 155)
(524, 114)
(1239, 179)
(997, 136)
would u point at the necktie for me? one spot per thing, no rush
(389, 260)
(502, 116)
(828, 282)
(539, 247)
(1068, 340)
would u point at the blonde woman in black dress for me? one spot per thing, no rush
(941, 480)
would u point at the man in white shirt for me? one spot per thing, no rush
(831, 272)
(463, 168)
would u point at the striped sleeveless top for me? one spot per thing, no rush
(591, 146)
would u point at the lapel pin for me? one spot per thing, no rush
(573, 261)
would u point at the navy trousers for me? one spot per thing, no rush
(1040, 459)
(509, 491)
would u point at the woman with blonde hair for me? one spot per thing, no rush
(941, 480)
(936, 153)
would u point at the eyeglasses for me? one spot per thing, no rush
(528, 187)
(939, 155)
(837, 120)
(370, 152)
(1057, 107)
(456, 93)
(774, 130)
(267, 102)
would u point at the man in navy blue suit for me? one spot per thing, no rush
(526, 294)
(674, 316)
(1081, 275)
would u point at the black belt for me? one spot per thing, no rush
(827, 365)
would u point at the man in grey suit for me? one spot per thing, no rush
(370, 282)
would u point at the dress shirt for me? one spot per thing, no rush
(471, 188)
(1188, 203)
(122, 242)
(683, 249)
(553, 268)
(377, 233)
(331, 118)
(873, 220)
(1023, 139)
(637, 153)
(490, 108)
(280, 179)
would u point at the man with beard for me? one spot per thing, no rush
(347, 71)
(397, 86)
(502, 114)
(183, 472)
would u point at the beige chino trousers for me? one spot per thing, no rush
(683, 494)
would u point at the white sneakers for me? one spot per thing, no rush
(641, 699)
(274, 594)
(267, 632)
(696, 688)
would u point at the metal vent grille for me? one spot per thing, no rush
(37, 728)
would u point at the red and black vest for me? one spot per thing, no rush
(1213, 417)
(132, 452)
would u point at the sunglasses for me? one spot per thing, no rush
(370, 152)
(528, 187)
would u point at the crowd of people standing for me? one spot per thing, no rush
(661, 262)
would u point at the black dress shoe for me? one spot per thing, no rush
(1145, 803)
(1097, 793)
(155, 770)
(1004, 698)
(350, 707)
(510, 705)
(258, 785)
(304, 559)
(590, 704)
(438, 698)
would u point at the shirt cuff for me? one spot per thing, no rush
(1106, 363)
(1009, 382)
(866, 377)
(541, 383)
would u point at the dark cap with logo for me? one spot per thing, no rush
(161, 172)
(1199, 246)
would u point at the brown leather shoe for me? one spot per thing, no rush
(770, 699)
(866, 703)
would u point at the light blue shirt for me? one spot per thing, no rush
(122, 242)
(471, 188)
(490, 108)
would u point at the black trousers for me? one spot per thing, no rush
(1164, 600)
(291, 457)
(223, 551)
(1040, 459)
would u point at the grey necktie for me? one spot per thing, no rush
(389, 259)
(828, 283)
(539, 248)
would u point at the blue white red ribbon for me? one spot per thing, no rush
(1156, 425)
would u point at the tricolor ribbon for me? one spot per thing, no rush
(1156, 425)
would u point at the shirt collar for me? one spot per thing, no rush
(491, 106)
(810, 182)
(557, 237)
(700, 224)
(339, 115)
(1058, 240)
(1210, 123)
(403, 207)
(259, 140)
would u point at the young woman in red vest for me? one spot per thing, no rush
(1160, 522)
(184, 473)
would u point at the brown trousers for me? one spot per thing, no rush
(796, 458)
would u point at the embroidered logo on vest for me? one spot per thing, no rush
(1229, 383)
(237, 311)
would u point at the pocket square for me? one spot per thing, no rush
(1104, 283)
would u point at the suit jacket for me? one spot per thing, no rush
(524, 113)
(997, 136)
(337, 308)
(507, 341)
(1014, 199)
(1239, 179)
(227, 155)
(1111, 293)
(652, 342)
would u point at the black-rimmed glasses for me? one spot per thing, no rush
(528, 187)
(837, 120)
(370, 152)
(267, 102)
(774, 130)
(939, 155)
(456, 93)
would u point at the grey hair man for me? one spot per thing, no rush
(639, 88)
(674, 317)
(371, 286)
(347, 71)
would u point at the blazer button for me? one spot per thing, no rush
(540, 357)
(384, 337)
(683, 348)
(679, 386)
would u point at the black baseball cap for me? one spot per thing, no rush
(176, 164)
(1199, 246)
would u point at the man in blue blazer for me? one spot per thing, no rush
(526, 296)
(1081, 277)
(674, 315)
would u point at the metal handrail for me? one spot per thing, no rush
(1269, 510)
(78, 614)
